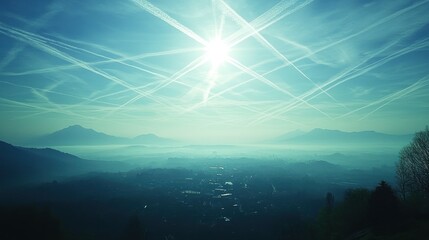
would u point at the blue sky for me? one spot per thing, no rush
(213, 71)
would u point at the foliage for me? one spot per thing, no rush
(345, 218)
(412, 170)
(361, 214)
(384, 213)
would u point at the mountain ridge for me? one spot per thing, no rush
(325, 136)
(77, 135)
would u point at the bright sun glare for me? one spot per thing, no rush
(217, 51)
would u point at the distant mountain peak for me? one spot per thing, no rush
(146, 135)
(75, 135)
(76, 127)
(330, 136)
(152, 138)
(78, 135)
(321, 130)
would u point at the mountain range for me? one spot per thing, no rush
(326, 136)
(78, 135)
(19, 165)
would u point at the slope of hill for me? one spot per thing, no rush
(20, 165)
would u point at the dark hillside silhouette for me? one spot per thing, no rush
(29, 222)
(20, 165)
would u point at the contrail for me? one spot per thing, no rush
(376, 24)
(218, 94)
(190, 67)
(364, 70)
(231, 76)
(38, 90)
(171, 21)
(309, 52)
(267, 19)
(391, 97)
(108, 59)
(119, 60)
(162, 84)
(22, 104)
(381, 21)
(271, 84)
(134, 58)
(39, 71)
(22, 36)
(50, 103)
(58, 93)
(244, 33)
(401, 95)
(258, 76)
(212, 76)
(346, 76)
(55, 8)
(123, 105)
(268, 45)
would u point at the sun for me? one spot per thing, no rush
(217, 51)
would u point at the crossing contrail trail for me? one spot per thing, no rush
(108, 59)
(391, 97)
(45, 109)
(171, 21)
(53, 10)
(270, 17)
(366, 29)
(59, 93)
(22, 36)
(397, 96)
(267, 44)
(271, 84)
(220, 93)
(112, 60)
(347, 75)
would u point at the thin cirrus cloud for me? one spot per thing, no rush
(141, 66)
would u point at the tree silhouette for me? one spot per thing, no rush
(330, 201)
(325, 219)
(352, 213)
(134, 229)
(383, 209)
(346, 217)
(412, 170)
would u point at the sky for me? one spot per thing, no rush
(213, 71)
